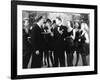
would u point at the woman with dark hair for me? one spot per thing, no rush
(77, 26)
(47, 42)
(69, 43)
(81, 44)
(26, 43)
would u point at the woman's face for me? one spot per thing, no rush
(43, 20)
(26, 23)
(68, 24)
(76, 25)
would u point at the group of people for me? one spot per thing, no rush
(49, 41)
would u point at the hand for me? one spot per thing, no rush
(61, 32)
(79, 40)
(37, 52)
(52, 34)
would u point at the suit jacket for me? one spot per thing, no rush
(59, 38)
(36, 37)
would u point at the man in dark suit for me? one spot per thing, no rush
(59, 34)
(37, 43)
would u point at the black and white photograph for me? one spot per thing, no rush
(53, 38)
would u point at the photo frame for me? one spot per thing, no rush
(18, 8)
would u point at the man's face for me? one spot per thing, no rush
(43, 20)
(58, 22)
(48, 24)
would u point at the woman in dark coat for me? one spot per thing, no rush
(26, 43)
